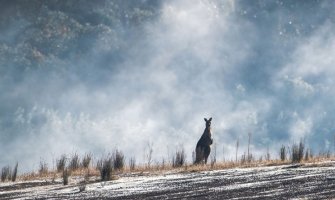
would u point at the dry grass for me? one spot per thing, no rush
(118, 160)
(6, 173)
(61, 163)
(179, 159)
(55, 174)
(37, 176)
(91, 173)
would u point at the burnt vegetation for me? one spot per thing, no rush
(115, 162)
(9, 174)
(179, 158)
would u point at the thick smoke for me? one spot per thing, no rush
(84, 76)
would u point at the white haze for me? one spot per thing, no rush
(196, 59)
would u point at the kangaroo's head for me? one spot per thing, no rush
(208, 122)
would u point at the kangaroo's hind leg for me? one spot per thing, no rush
(207, 151)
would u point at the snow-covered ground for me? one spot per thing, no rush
(276, 182)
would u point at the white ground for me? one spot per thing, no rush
(280, 182)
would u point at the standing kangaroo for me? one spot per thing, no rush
(203, 148)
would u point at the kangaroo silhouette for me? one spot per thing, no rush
(203, 148)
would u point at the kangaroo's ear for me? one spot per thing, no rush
(210, 119)
(205, 119)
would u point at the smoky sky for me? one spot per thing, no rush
(92, 76)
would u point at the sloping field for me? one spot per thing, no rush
(278, 182)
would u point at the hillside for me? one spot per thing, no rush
(308, 181)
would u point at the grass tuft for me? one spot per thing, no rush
(6, 173)
(14, 174)
(282, 153)
(118, 160)
(298, 152)
(61, 163)
(105, 168)
(179, 159)
(85, 163)
(74, 162)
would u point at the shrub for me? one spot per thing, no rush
(74, 162)
(61, 163)
(282, 153)
(6, 173)
(118, 160)
(85, 163)
(179, 158)
(105, 168)
(14, 174)
(298, 152)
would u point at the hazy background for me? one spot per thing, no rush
(92, 76)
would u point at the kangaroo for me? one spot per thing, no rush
(203, 148)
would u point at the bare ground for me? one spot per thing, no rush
(278, 182)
